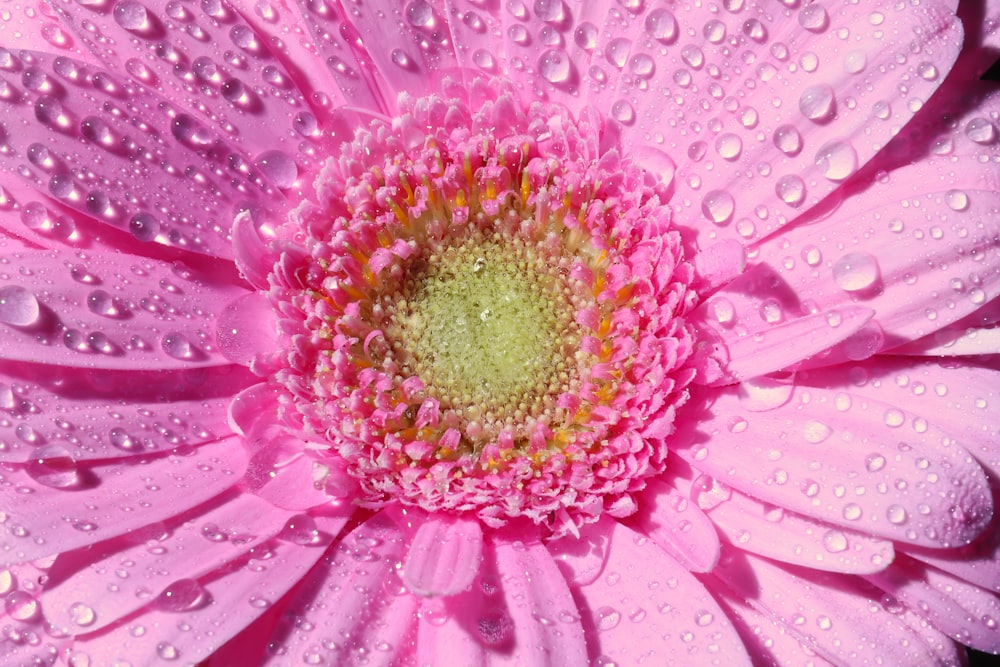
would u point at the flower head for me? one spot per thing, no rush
(452, 332)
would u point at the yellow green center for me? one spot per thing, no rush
(488, 328)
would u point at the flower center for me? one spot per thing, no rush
(487, 315)
(488, 326)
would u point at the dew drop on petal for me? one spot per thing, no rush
(123, 440)
(791, 189)
(852, 511)
(818, 103)
(855, 272)
(816, 432)
(21, 606)
(787, 140)
(144, 227)
(981, 131)
(834, 541)
(555, 66)
(82, 614)
(957, 200)
(814, 18)
(718, 206)
(18, 306)
(301, 529)
(728, 146)
(661, 25)
(54, 466)
(167, 651)
(837, 160)
(182, 595)
(896, 514)
(279, 168)
(178, 346)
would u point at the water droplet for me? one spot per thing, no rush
(896, 514)
(301, 529)
(981, 131)
(555, 66)
(818, 103)
(729, 146)
(718, 206)
(894, 418)
(855, 272)
(715, 31)
(178, 346)
(816, 431)
(852, 511)
(661, 25)
(20, 605)
(54, 466)
(855, 62)
(144, 227)
(814, 18)
(787, 140)
(608, 618)
(18, 306)
(132, 16)
(623, 112)
(837, 160)
(617, 51)
(182, 595)
(82, 614)
(791, 189)
(585, 36)
(167, 651)
(957, 200)
(279, 168)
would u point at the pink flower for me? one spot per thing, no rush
(468, 332)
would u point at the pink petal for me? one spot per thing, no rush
(112, 499)
(836, 616)
(353, 602)
(110, 311)
(764, 327)
(357, 83)
(444, 555)
(157, 565)
(678, 526)
(959, 609)
(83, 412)
(545, 629)
(848, 96)
(74, 126)
(779, 534)
(581, 559)
(408, 53)
(766, 636)
(647, 608)
(841, 460)
(238, 596)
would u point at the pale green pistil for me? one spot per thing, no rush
(487, 329)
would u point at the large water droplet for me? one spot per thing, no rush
(791, 189)
(787, 140)
(53, 466)
(661, 26)
(555, 66)
(18, 306)
(837, 160)
(818, 103)
(981, 131)
(279, 167)
(301, 529)
(182, 595)
(718, 206)
(856, 271)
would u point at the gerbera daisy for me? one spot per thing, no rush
(468, 332)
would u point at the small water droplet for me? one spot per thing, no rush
(279, 168)
(957, 200)
(301, 529)
(791, 189)
(661, 25)
(555, 66)
(813, 17)
(82, 614)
